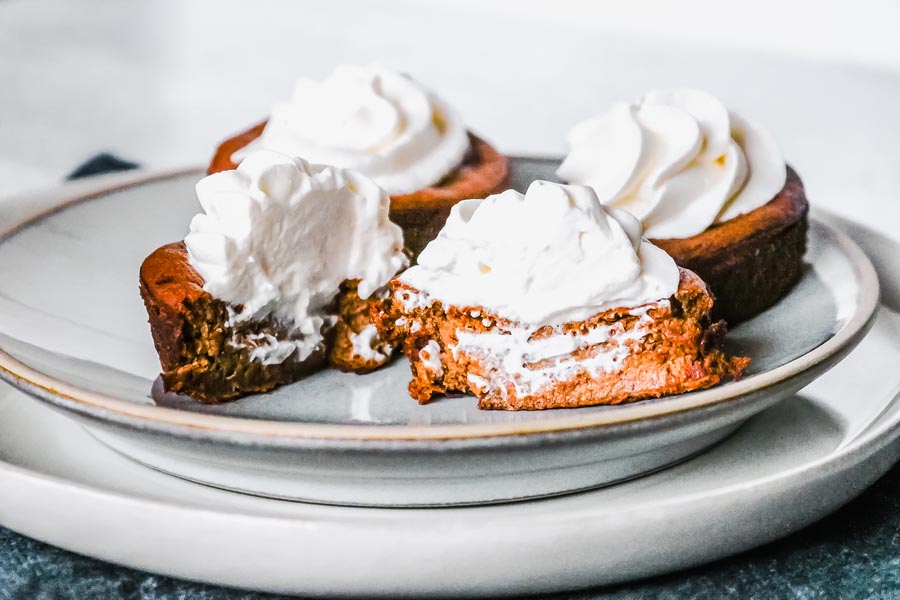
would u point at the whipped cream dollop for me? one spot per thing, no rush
(677, 159)
(550, 256)
(373, 120)
(279, 235)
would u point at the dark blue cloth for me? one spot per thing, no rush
(100, 164)
(852, 554)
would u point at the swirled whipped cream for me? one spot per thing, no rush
(550, 256)
(373, 120)
(278, 236)
(676, 159)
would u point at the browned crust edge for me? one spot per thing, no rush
(168, 283)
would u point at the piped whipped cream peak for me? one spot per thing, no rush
(550, 256)
(676, 159)
(373, 120)
(279, 235)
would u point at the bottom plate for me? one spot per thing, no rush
(783, 469)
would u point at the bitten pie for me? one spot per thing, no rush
(279, 275)
(710, 187)
(548, 300)
(388, 127)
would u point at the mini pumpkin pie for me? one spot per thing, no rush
(549, 300)
(388, 127)
(710, 187)
(279, 276)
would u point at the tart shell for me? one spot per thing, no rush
(751, 261)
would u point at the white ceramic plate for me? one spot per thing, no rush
(783, 469)
(73, 333)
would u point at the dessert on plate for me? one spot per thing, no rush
(277, 277)
(710, 188)
(550, 300)
(388, 127)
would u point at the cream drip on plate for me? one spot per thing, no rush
(550, 256)
(373, 120)
(677, 159)
(278, 236)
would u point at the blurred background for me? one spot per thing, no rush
(160, 83)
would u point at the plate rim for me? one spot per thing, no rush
(868, 441)
(183, 423)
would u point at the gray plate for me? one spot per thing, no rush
(73, 333)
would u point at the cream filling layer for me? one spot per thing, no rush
(533, 365)
(268, 349)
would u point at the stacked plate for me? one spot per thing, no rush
(518, 502)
